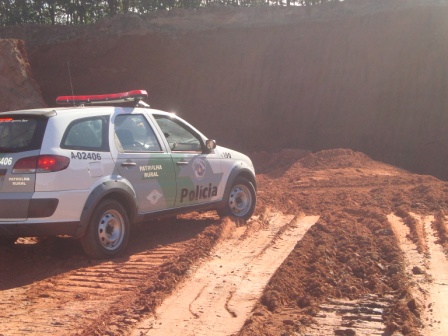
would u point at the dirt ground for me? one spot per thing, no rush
(348, 274)
(340, 244)
(352, 252)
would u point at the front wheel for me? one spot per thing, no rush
(241, 200)
(108, 231)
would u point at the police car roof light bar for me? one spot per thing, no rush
(123, 97)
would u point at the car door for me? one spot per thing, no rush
(198, 172)
(142, 160)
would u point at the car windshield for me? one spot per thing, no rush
(20, 133)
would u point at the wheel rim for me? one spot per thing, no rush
(240, 200)
(111, 229)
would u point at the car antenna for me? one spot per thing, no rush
(70, 79)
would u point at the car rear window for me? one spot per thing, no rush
(21, 133)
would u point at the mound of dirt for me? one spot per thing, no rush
(18, 89)
(352, 251)
(347, 275)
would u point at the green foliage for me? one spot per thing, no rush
(16, 12)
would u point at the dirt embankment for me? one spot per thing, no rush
(372, 264)
(355, 74)
(354, 251)
(18, 89)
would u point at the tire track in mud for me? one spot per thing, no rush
(427, 269)
(351, 317)
(43, 293)
(220, 293)
(110, 275)
(56, 305)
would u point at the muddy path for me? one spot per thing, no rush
(426, 266)
(372, 261)
(48, 286)
(222, 291)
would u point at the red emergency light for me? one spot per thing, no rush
(123, 97)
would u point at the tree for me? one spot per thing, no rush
(16, 12)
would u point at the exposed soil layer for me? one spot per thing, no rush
(18, 89)
(348, 274)
(355, 74)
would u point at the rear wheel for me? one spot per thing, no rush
(108, 231)
(241, 200)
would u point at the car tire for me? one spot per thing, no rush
(108, 231)
(240, 201)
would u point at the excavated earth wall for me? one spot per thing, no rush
(366, 75)
(18, 89)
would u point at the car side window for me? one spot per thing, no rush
(134, 134)
(179, 137)
(86, 134)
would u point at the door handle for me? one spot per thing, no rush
(182, 163)
(128, 164)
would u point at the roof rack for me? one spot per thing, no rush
(135, 96)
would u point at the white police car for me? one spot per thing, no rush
(91, 172)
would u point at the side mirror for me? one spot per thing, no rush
(210, 145)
